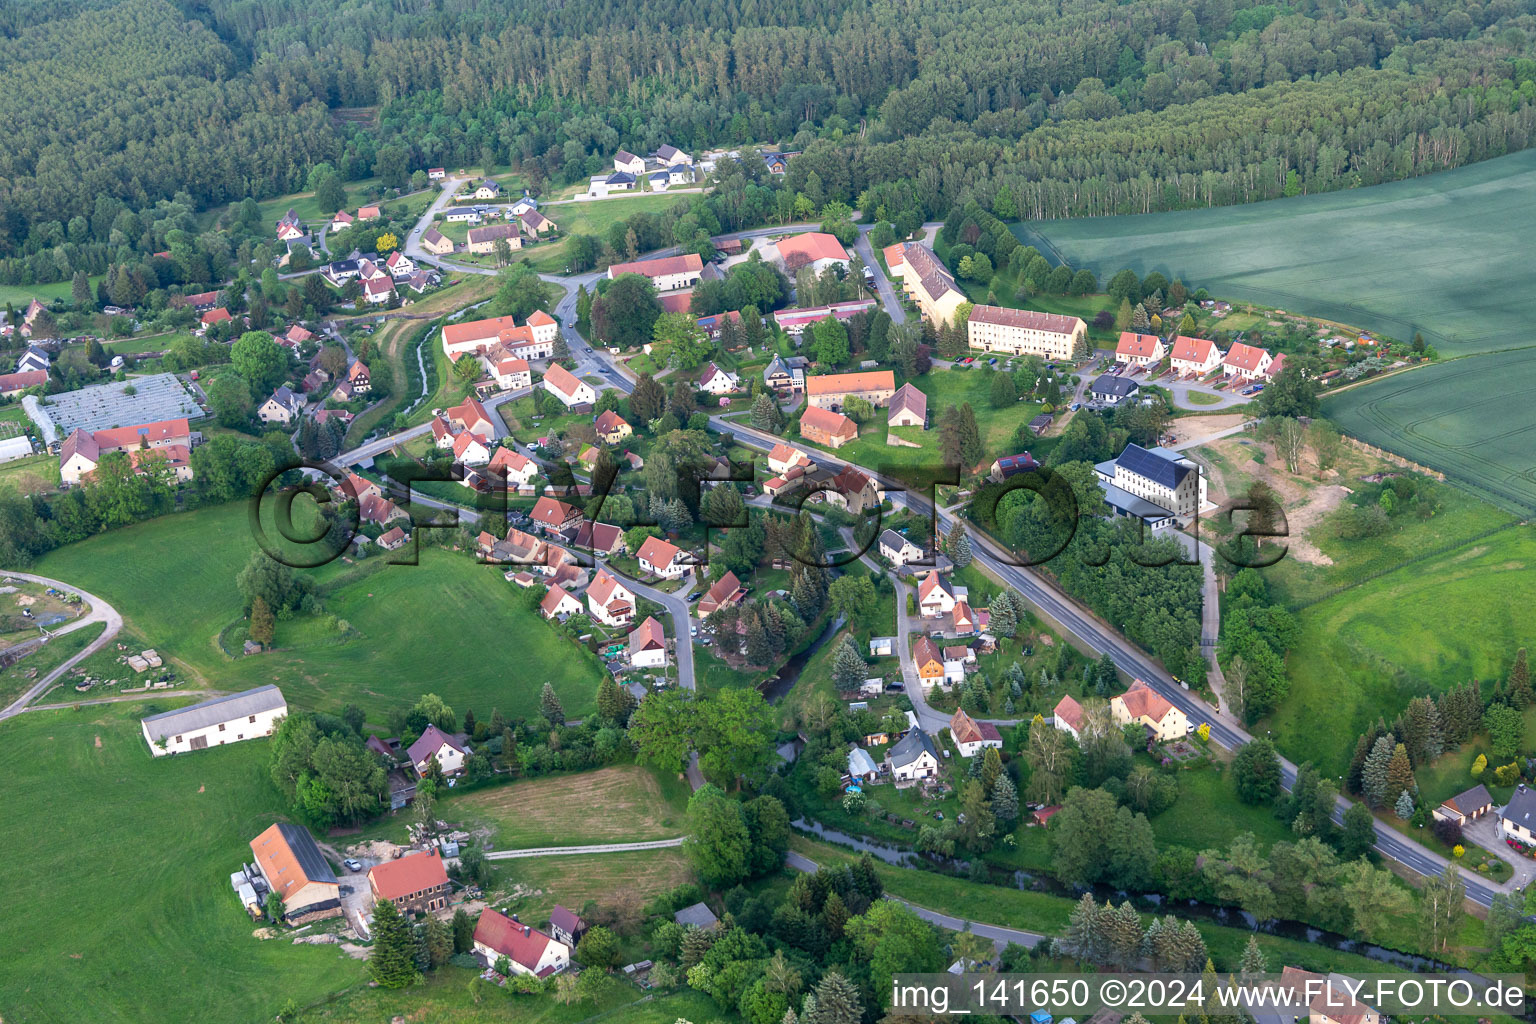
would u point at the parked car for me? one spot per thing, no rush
(353, 864)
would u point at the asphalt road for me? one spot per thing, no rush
(100, 612)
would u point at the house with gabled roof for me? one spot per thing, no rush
(780, 375)
(518, 468)
(471, 416)
(1111, 389)
(248, 715)
(610, 601)
(1025, 332)
(972, 737)
(469, 450)
(824, 427)
(927, 282)
(815, 249)
(416, 881)
(526, 949)
(628, 163)
(853, 492)
(908, 408)
(913, 757)
(436, 243)
(717, 381)
(783, 457)
(450, 750)
(611, 427)
(1153, 484)
(898, 550)
(671, 156)
(290, 861)
(600, 538)
(661, 558)
(929, 662)
(535, 223)
(724, 593)
(1068, 716)
(1142, 705)
(565, 386)
(282, 406)
(831, 391)
(1517, 819)
(1468, 805)
(935, 596)
(1136, 349)
(1194, 356)
(648, 645)
(216, 315)
(558, 604)
(399, 265)
(667, 273)
(554, 515)
(566, 925)
(1246, 362)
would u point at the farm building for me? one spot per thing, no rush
(296, 870)
(215, 722)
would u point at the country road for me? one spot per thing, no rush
(100, 612)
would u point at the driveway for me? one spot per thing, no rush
(1485, 833)
(100, 612)
(883, 287)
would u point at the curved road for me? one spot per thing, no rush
(100, 612)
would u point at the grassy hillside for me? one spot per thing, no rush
(448, 625)
(1439, 254)
(119, 908)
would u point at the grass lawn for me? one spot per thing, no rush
(1201, 398)
(1367, 651)
(445, 999)
(639, 804)
(19, 677)
(35, 474)
(175, 938)
(599, 877)
(594, 218)
(1208, 815)
(447, 626)
(20, 295)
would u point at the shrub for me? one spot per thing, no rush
(1480, 765)
(1447, 831)
(1507, 774)
(1458, 851)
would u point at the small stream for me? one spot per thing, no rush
(775, 689)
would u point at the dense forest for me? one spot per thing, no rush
(1080, 107)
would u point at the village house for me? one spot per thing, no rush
(714, 324)
(795, 321)
(565, 386)
(603, 539)
(12, 384)
(648, 645)
(1328, 998)
(935, 597)
(862, 767)
(784, 375)
(832, 391)
(628, 163)
(853, 492)
(436, 243)
(217, 315)
(535, 223)
(1011, 465)
(248, 715)
(378, 290)
(558, 605)
(472, 417)
(291, 229)
(926, 281)
(81, 451)
(908, 408)
(449, 751)
(436, 174)
(611, 602)
(670, 156)
(956, 658)
(509, 373)
(526, 949)
(1517, 819)
(1466, 806)
(1025, 332)
(282, 406)
(555, 516)
(1156, 485)
(482, 241)
(1112, 389)
(1194, 356)
(466, 215)
(341, 220)
(724, 593)
(391, 540)
(290, 861)
(1246, 362)
(929, 661)
(1139, 349)
(913, 757)
(785, 457)
(380, 511)
(697, 915)
(667, 273)
(611, 427)
(898, 550)
(534, 339)
(603, 185)
(566, 926)
(815, 249)
(1068, 717)
(399, 265)
(487, 189)
(662, 559)
(972, 737)
(1144, 706)
(358, 489)
(37, 360)
(469, 450)
(414, 882)
(717, 381)
(777, 163)
(518, 468)
(821, 426)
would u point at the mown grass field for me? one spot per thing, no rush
(116, 904)
(447, 626)
(593, 218)
(1472, 419)
(445, 998)
(19, 295)
(1431, 625)
(1443, 254)
(638, 804)
(598, 877)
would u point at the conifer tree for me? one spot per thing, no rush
(1520, 694)
(392, 960)
(1253, 963)
(549, 705)
(1373, 776)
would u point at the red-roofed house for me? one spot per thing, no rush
(369, 213)
(1197, 356)
(1145, 706)
(600, 538)
(81, 451)
(1276, 365)
(341, 220)
(648, 645)
(929, 662)
(565, 386)
(935, 597)
(717, 381)
(824, 427)
(1139, 349)
(528, 950)
(558, 604)
(612, 428)
(1245, 362)
(611, 602)
(661, 558)
(471, 416)
(815, 249)
(358, 489)
(470, 450)
(15, 383)
(518, 468)
(726, 591)
(413, 882)
(667, 273)
(555, 515)
(1068, 716)
(972, 737)
(510, 373)
(783, 458)
(215, 316)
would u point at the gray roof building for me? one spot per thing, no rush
(698, 915)
(1155, 464)
(1112, 385)
(209, 713)
(910, 747)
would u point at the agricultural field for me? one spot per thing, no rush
(1362, 257)
(89, 814)
(388, 633)
(639, 804)
(1472, 419)
(1365, 652)
(600, 877)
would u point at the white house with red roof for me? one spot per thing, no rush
(469, 450)
(341, 220)
(661, 558)
(785, 457)
(519, 468)
(1196, 356)
(558, 604)
(378, 290)
(611, 427)
(510, 373)
(935, 597)
(82, 450)
(399, 265)
(565, 386)
(717, 381)
(470, 415)
(611, 602)
(527, 950)
(1144, 706)
(1246, 362)
(450, 751)
(537, 335)
(972, 737)
(648, 645)
(555, 515)
(1068, 716)
(815, 249)
(1139, 349)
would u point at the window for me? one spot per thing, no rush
(221, 727)
(253, 718)
(178, 739)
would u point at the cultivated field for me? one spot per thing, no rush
(447, 626)
(1472, 419)
(1444, 254)
(638, 804)
(116, 896)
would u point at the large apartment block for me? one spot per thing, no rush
(925, 280)
(1025, 332)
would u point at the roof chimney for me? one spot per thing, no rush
(514, 917)
(526, 930)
